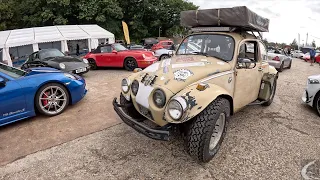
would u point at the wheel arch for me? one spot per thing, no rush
(48, 82)
(198, 100)
(128, 57)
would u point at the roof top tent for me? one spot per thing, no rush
(44, 35)
(238, 18)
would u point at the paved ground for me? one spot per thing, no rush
(90, 115)
(262, 143)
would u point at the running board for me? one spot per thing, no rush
(256, 103)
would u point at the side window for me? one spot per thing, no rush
(248, 50)
(106, 49)
(263, 52)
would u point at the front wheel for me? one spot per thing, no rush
(165, 56)
(52, 99)
(273, 92)
(316, 103)
(93, 64)
(281, 67)
(130, 64)
(207, 130)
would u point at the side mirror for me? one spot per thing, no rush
(2, 82)
(244, 63)
(114, 51)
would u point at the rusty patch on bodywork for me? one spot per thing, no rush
(191, 100)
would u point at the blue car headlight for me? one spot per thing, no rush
(70, 76)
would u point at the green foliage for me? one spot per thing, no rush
(144, 17)
(313, 43)
(294, 44)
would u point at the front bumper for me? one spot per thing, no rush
(147, 62)
(162, 133)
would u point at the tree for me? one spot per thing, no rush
(313, 43)
(294, 44)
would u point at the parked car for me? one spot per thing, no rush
(56, 59)
(311, 95)
(297, 54)
(163, 44)
(136, 47)
(46, 90)
(162, 54)
(149, 42)
(116, 55)
(279, 60)
(197, 91)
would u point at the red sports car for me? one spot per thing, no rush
(166, 44)
(116, 55)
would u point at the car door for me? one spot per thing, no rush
(12, 101)
(248, 81)
(105, 55)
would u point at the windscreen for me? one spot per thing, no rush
(214, 45)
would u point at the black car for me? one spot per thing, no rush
(56, 59)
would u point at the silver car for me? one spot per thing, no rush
(279, 60)
(311, 95)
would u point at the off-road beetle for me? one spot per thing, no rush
(215, 72)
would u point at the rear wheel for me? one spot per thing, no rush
(130, 64)
(207, 130)
(289, 67)
(52, 99)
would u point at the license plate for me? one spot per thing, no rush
(80, 70)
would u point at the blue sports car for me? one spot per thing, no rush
(44, 90)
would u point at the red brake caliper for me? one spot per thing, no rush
(45, 101)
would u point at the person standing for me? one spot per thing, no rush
(78, 50)
(312, 56)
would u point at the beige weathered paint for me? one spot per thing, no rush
(242, 89)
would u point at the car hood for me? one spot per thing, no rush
(314, 77)
(70, 63)
(64, 59)
(41, 70)
(180, 71)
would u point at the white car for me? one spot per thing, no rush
(297, 54)
(163, 54)
(311, 95)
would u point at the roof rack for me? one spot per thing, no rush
(226, 29)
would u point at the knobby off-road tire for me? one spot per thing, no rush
(129, 108)
(273, 92)
(202, 128)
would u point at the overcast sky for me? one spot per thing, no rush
(287, 17)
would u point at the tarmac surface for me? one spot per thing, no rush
(281, 141)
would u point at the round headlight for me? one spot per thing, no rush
(125, 85)
(175, 110)
(144, 56)
(85, 61)
(62, 66)
(135, 87)
(159, 98)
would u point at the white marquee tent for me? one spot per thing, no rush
(63, 33)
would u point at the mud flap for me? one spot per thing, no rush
(266, 86)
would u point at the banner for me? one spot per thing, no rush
(126, 32)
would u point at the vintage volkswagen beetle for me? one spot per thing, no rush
(198, 89)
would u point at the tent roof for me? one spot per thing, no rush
(20, 37)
